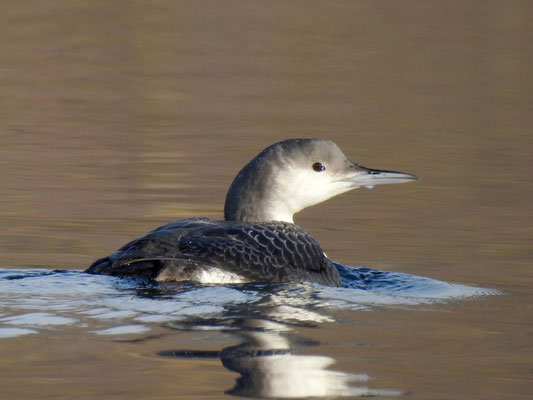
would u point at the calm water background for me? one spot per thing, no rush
(119, 116)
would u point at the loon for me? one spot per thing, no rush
(258, 240)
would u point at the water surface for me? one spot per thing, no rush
(116, 117)
(272, 355)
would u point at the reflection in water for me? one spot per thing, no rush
(267, 366)
(261, 316)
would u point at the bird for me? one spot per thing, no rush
(258, 241)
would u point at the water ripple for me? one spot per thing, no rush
(39, 298)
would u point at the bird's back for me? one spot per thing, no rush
(203, 250)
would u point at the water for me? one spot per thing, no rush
(260, 317)
(118, 117)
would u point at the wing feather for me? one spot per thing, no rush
(263, 252)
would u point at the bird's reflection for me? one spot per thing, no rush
(268, 368)
(265, 357)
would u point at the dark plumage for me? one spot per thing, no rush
(258, 252)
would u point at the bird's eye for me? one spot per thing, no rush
(318, 167)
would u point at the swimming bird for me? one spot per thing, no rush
(257, 241)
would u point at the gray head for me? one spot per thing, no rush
(297, 173)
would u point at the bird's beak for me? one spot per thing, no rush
(369, 177)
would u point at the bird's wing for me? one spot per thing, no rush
(264, 251)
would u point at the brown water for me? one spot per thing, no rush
(119, 116)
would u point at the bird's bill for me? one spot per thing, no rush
(370, 177)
